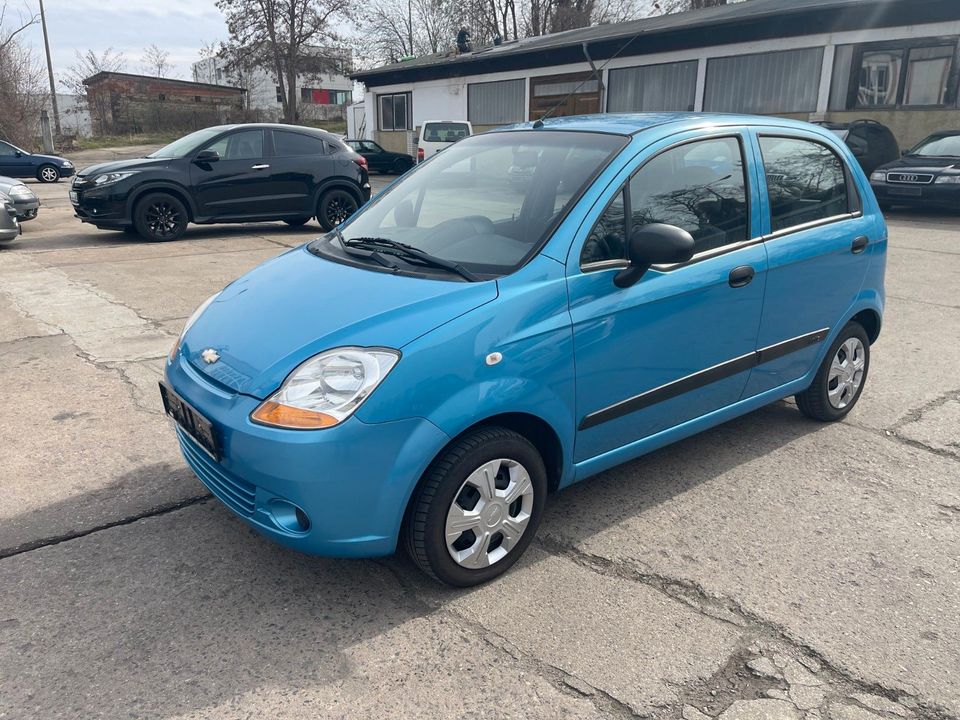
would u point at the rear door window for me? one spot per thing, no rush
(806, 181)
(445, 131)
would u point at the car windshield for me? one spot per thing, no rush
(187, 144)
(465, 206)
(938, 146)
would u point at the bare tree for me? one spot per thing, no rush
(666, 7)
(156, 62)
(281, 33)
(86, 66)
(22, 93)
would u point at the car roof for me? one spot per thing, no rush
(633, 123)
(272, 126)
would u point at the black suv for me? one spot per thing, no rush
(229, 173)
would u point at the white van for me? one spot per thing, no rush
(435, 135)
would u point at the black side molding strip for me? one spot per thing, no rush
(702, 378)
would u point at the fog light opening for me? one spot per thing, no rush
(289, 517)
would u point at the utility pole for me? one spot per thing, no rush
(53, 87)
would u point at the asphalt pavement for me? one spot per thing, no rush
(770, 568)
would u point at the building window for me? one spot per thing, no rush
(786, 81)
(906, 73)
(496, 103)
(162, 97)
(314, 96)
(560, 95)
(394, 111)
(197, 98)
(670, 86)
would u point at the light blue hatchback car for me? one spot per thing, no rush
(476, 338)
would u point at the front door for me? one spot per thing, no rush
(817, 242)
(237, 185)
(679, 343)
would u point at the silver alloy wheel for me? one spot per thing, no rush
(49, 174)
(489, 513)
(846, 373)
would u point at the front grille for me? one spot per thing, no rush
(237, 494)
(910, 178)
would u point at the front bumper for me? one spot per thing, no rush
(932, 195)
(352, 481)
(27, 209)
(106, 206)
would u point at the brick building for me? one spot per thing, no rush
(121, 103)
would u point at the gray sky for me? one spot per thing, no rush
(178, 26)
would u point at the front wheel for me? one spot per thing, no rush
(335, 206)
(478, 507)
(841, 377)
(160, 217)
(48, 174)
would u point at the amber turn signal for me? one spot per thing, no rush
(285, 416)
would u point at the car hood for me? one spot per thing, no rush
(49, 158)
(118, 165)
(909, 163)
(297, 305)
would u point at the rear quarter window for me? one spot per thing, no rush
(288, 144)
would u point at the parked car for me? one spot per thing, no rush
(23, 198)
(427, 374)
(9, 227)
(382, 160)
(223, 174)
(436, 135)
(871, 142)
(928, 175)
(18, 163)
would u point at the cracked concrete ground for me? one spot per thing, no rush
(770, 568)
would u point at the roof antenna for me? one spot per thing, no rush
(595, 74)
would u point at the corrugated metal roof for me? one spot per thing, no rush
(867, 14)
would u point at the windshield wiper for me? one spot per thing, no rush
(409, 252)
(370, 253)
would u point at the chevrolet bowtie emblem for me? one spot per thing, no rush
(210, 356)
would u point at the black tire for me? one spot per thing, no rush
(444, 483)
(160, 217)
(335, 206)
(48, 174)
(400, 166)
(815, 402)
(297, 222)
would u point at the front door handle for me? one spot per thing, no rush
(259, 167)
(859, 245)
(741, 276)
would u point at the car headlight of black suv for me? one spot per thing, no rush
(111, 177)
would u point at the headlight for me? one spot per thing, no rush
(948, 180)
(20, 191)
(190, 321)
(326, 389)
(67, 164)
(108, 178)
(878, 176)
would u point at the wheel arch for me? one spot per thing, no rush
(336, 183)
(177, 191)
(871, 321)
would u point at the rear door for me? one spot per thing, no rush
(238, 185)
(300, 162)
(817, 241)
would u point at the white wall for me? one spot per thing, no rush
(436, 96)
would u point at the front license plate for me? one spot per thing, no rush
(192, 422)
(74, 198)
(906, 191)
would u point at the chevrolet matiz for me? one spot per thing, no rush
(428, 372)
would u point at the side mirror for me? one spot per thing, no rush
(904, 153)
(207, 156)
(654, 244)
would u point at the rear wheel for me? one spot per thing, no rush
(160, 217)
(48, 174)
(841, 377)
(478, 507)
(335, 206)
(400, 166)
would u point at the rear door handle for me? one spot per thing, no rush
(741, 276)
(259, 167)
(859, 245)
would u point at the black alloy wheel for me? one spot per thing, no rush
(335, 207)
(161, 217)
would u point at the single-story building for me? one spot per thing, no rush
(895, 61)
(125, 103)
